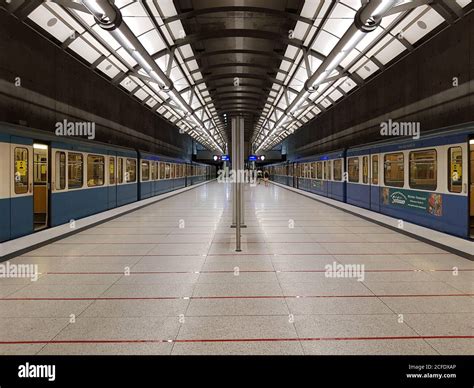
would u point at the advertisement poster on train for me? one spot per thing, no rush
(431, 203)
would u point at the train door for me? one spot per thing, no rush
(21, 203)
(471, 186)
(374, 182)
(112, 188)
(290, 174)
(295, 177)
(41, 186)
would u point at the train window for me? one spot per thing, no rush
(112, 171)
(375, 169)
(145, 170)
(173, 171)
(21, 170)
(154, 171)
(162, 170)
(120, 170)
(167, 171)
(423, 165)
(353, 169)
(319, 170)
(313, 170)
(95, 170)
(455, 169)
(365, 169)
(40, 168)
(337, 170)
(60, 170)
(327, 171)
(394, 169)
(131, 173)
(75, 170)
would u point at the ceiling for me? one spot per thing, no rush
(278, 63)
(239, 46)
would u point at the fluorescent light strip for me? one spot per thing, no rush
(122, 39)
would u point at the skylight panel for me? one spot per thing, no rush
(367, 69)
(64, 16)
(84, 49)
(422, 26)
(309, 8)
(152, 42)
(463, 3)
(300, 30)
(335, 95)
(167, 8)
(369, 38)
(108, 68)
(141, 94)
(117, 63)
(390, 51)
(128, 84)
(92, 41)
(50, 23)
(324, 43)
(136, 18)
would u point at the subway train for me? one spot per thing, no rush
(46, 180)
(427, 181)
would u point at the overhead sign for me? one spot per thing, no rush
(225, 157)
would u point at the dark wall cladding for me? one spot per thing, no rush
(55, 86)
(423, 82)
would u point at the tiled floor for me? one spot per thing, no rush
(189, 292)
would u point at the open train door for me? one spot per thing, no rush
(41, 185)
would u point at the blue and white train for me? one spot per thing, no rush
(47, 181)
(428, 181)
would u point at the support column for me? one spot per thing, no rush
(238, 168)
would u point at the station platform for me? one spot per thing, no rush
(165, 279)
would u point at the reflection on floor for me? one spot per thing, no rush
(165, 279)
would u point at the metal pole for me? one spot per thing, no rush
(238, 220)
(237, 166)
(241, 168)
(234, 163)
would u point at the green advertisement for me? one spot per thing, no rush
(420, 201)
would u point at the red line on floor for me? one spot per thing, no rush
(242, 297)
(248, 271)
(120, 341)
(253, 254)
